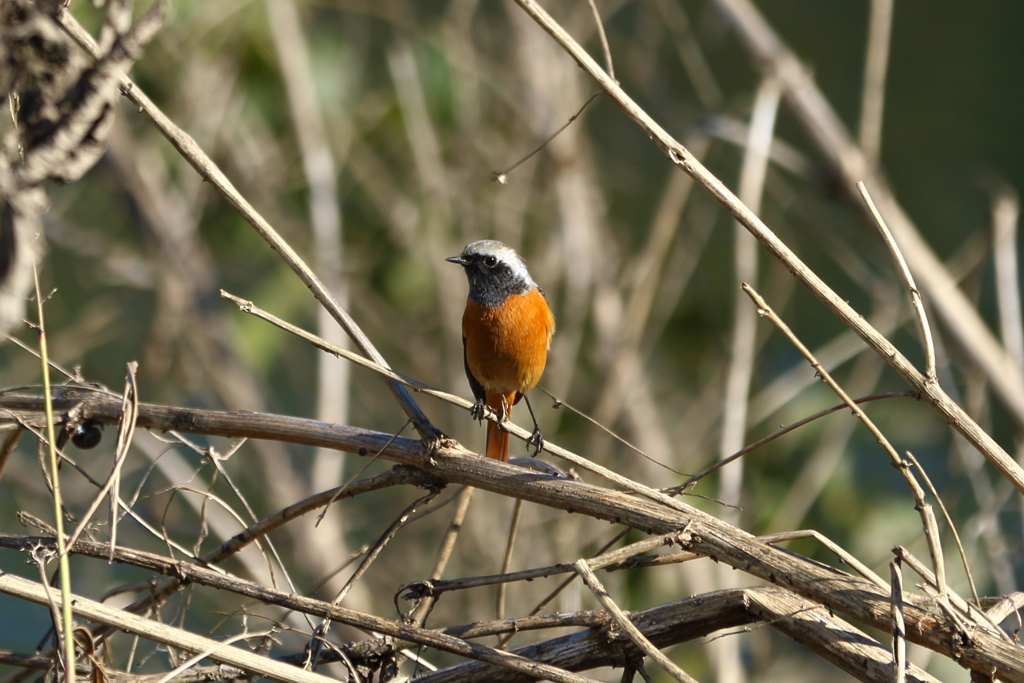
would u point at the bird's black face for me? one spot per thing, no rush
(483, 266)
(494, 270)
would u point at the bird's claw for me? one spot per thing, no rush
(477, 411)
(536, 441)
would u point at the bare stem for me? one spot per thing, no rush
(623, 622)
(908, 279)
(604, 38)
(931, 530)
(212, 174)
(682, 157)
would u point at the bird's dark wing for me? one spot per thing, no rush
(478, 389)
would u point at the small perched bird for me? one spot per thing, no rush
(506, 333)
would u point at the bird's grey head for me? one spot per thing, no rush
(494, 270)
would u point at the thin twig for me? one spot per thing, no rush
(924, 509)
(780, 432)
(837, 549)
(682, 157)
(642, 670)
(502, 176)
(601, 471)
(125, 432)
(899, 628)
(565, 584)
(249, 307)
(8, 446)
(626, 557)
(950, 524)
(623, 622)
(419, 614)
(210, 172)
(846, 345)
(780, 537)
(559, 403)
(126, 427)
(381, 542)
(604, 39)
(1000, 607)
(619, 556)
(210, 455)
(908, 279)
(40, 555)
(506, 561)
(831, 443)
(358, 474)
(319, 634)
(200, 656)
(953, 604)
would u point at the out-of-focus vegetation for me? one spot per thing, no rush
(420, 103)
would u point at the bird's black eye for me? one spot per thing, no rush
(491, 261)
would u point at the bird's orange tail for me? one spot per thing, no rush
(497, 438)
(497, 442)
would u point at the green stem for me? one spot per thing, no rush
(51, 441)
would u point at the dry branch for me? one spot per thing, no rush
(508, 426)
(695, 531)
(810, 600)
(667, 624)
(125, 621)
(835, 640)
(206, 168)
(162, 633)
(960, 316)
(803, 620)
(930, 391)
(664, 625)
(908, 280)
(634, 634)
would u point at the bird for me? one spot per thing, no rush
(506, 333)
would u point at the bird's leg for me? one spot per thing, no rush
(478, 411)
(503, 415)
(536, 439)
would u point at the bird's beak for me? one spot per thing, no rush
(456, 259)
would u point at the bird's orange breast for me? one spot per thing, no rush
(507, 345)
